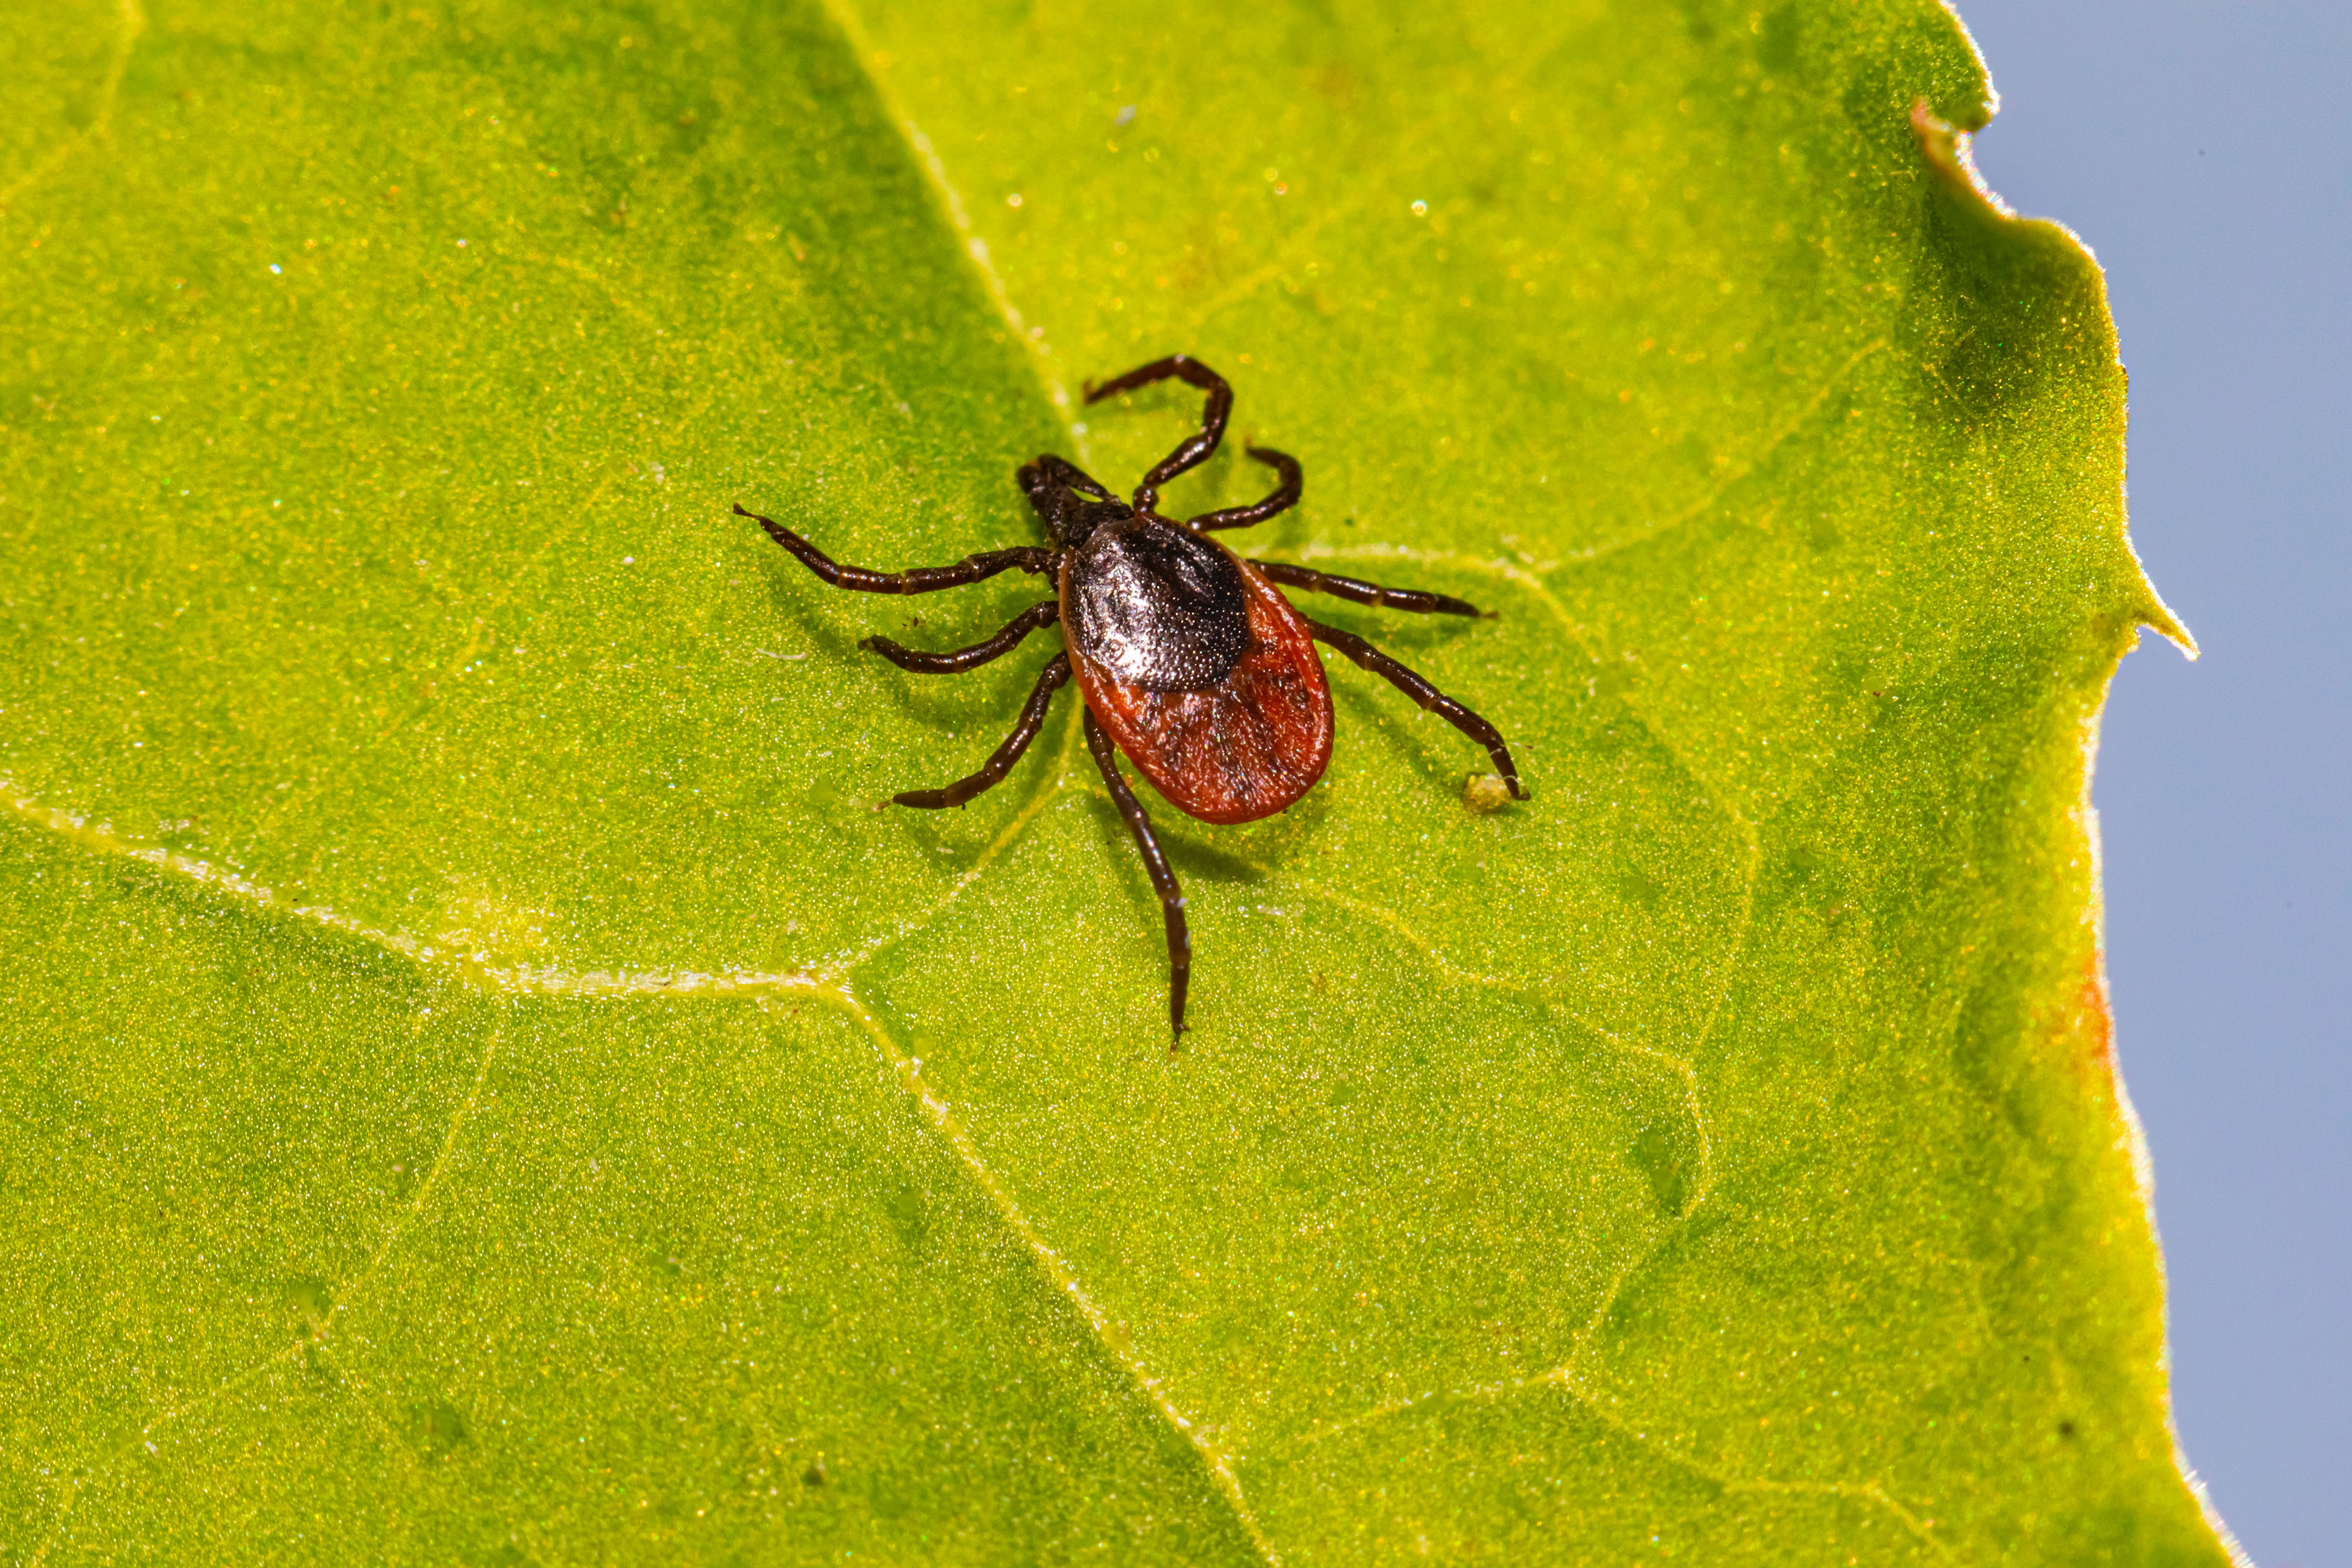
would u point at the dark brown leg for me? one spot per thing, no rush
(1285, 494)
(1193, 449)
(969, 658)
(992, 772)
(922, 580)
(1427, 695)
(1358, 591)
(1155, 865)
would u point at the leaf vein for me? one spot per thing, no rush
(1564, 1379)
(1058, 1268)
(1041, 796)
(1738, 472)
(475, 970)
(133, 23)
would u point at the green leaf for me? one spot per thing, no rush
(488, 1082)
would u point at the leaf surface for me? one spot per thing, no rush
(496, 1085)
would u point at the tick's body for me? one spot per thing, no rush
(1188, 657)
(1230, 719)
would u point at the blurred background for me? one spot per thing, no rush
(2204, 151)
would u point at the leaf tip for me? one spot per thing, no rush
(1946, 148)
(2157, 617)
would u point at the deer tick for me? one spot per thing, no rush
(1189, 659)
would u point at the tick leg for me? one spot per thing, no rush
(971, 658)
(1362, 592)
(1155, 865)
(922, 580)
(1427, 695)
(992, 772)
(1193, 449)
(1285, 494)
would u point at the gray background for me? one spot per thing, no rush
(2201, 151)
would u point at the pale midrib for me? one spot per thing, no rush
(472, 967)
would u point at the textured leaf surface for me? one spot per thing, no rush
(487, 1084)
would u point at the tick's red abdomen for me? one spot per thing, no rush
(1241, 749)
